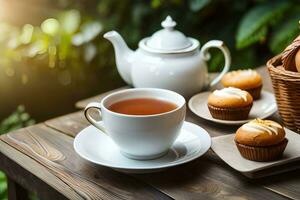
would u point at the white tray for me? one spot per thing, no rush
(225, 148)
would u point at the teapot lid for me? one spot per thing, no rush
(169, 40)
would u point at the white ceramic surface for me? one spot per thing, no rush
(225, 148)
(140, 136)
(168, 59)
(168, 39)
(262, 108)
(95, 147)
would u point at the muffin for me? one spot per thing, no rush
(291, 56)
(248, 80)
(230, 104)
(261, 140)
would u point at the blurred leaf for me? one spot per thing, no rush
(33, 196)
(78, 39)
(196, 5)
(138, 14)
(254, 24)
(64, 46)
(6, 31)
(52, 50)
(155, 3)
(259, 35)
(70, 21)
(285, 34)
(89, 31)
(216, 61)
(13, 43)
(16, 120)
(26, 34)
(29, 122)
(3, 188)
(244, 59)
(90, 52)
(64, 77)
(38, 47)
(24, 116)
(50, 26)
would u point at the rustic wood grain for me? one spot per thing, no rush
(55, 151)
(286, 184)
(70, 124)
(207, 177)
(211, 180)
(33, 176)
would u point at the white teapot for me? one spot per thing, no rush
(168, 59)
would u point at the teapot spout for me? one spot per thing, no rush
(123, 55)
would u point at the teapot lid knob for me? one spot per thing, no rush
(169, 40)
(168, 23)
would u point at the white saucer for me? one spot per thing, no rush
(94, 146)
(262, 108)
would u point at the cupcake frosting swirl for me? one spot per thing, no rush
(231, 92)
(259, 125)
(246, 72)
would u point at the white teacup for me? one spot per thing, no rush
(140, 137)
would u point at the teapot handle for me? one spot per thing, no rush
(206, 56)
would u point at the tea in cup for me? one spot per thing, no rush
(143, 122)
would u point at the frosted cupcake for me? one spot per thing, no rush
(230, 104)
(248, 80)
(261, 140)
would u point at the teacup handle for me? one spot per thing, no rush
(206, 56)
(96, 106)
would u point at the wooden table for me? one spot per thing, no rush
(41, 159)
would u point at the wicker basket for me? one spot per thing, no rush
(286, 85)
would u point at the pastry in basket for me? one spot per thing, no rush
(284, 70)
(230, 104)
(248, 80)
(261, 140)
(291, 56)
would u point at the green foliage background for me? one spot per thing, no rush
(254, 30)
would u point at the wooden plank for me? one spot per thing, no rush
(207, 177)
(287, 184)
(70, 124)
(55, 151)
(33, 176)
(204, 177)
(16, 191)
